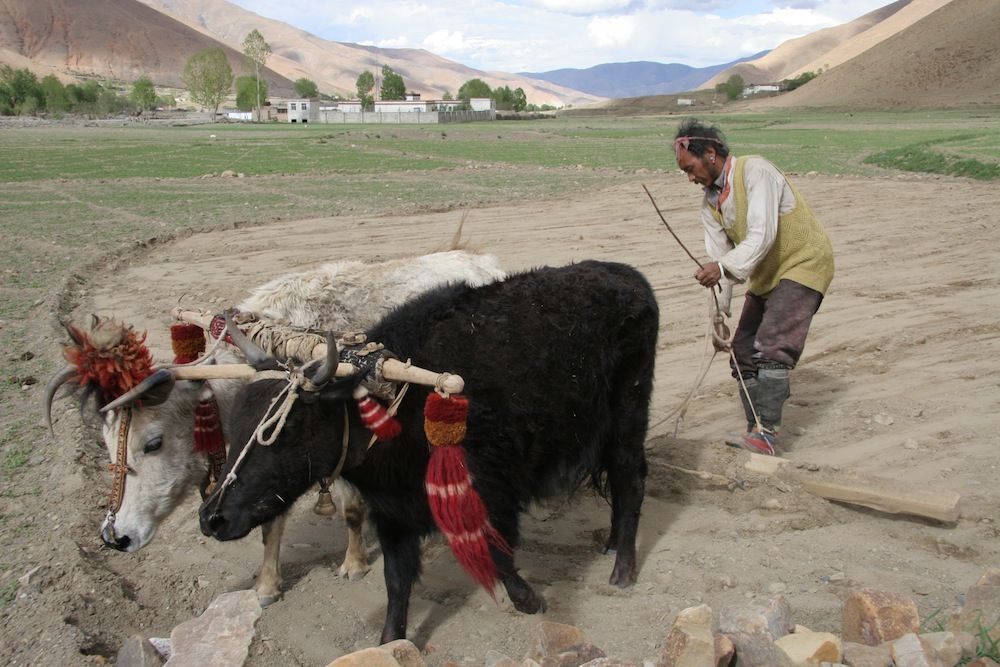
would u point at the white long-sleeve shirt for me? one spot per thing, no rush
(768, 196)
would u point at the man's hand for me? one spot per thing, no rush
(709, 275)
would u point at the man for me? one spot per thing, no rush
(758, 230)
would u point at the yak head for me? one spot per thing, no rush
(114, 371)
(279, 445)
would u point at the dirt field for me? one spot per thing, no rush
(898, 380)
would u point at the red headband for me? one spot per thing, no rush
(683, 142)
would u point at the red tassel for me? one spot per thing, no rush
(207, 428)
(187, 342)
(218, 325)
(457, 509)
(375, 417)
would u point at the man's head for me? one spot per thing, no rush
(701, 151)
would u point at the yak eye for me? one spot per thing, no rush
(153, 445)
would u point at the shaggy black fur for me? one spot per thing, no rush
(558, 369)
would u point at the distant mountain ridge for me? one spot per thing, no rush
(635, 79)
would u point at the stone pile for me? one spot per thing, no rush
(879, 629)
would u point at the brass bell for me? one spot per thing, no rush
(324, 504)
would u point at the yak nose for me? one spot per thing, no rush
(114, 541)
(211, 523)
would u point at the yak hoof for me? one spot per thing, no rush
(622, 576)
(530, 604)
(266, 599)
(353, 572)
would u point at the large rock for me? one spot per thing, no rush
(692, 641)
(811, 647)
(872, 617)
(757, 649)
(910, 651)
(947, 646)
(220, 637)
(554, 638)
(860, 655)
(769, 616)
(369, 657)
(982, 607)
(138, 652)
(405, 652)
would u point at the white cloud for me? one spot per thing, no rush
(611, 31)
(581, 7)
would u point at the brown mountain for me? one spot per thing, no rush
(829, 47)
(950, 58)
(114, 39)
(335, 66)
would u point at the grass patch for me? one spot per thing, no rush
(14, 459)
(922, 158)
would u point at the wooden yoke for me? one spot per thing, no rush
(392, 369)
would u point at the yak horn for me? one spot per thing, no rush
(330, 365)
(57, 381)
(253, 352)
(159, 377)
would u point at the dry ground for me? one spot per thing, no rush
(899, 380)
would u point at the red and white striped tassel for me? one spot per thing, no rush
(375, 417)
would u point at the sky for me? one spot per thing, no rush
(542, 35)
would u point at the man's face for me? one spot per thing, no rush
(699, 170)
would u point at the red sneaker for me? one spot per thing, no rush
(760, 442)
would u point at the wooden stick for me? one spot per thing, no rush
(392, 369)
(703, 475)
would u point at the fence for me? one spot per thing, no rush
(404, 117)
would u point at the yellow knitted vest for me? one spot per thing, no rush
(801, 250)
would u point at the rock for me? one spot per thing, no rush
(691, 641)
(228, 173)
(946, 646)
(405, 653)
(495, 659)
(811, 647)
(220, 636)
(981, 608)
(137, 652)
(369, 657)
(757, 649)
(861, 655)
(982, 662)
(608, 662)
(770, 616)
(872, 617)
(555, 638)
(909, 651)
(574, 656)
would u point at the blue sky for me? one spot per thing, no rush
(541, 35)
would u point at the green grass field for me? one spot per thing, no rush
(70, 196)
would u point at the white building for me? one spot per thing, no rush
(482, 104)
(755, 88)
(303, 110)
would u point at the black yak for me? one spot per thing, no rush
(558, 369)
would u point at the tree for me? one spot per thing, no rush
(20, 91)
(250, 93)
(257, 51)
(474, 88)
(520, 100)
(54, 92)
(366, 83)
(447, 96)
(800, 80)
(393, 87)
(209, 78)
(143, 94)
(732, 88)
(305, 88)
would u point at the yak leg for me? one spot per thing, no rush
(355, 563)
(626, 466)
(401, 551)
(268, 584)
(520, 592)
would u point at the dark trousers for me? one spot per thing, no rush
(772, 330)
(768, 343)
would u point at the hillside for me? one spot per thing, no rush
(790, 57)
(634, 79)
(950, 58)
(113, 39)
(335, 66)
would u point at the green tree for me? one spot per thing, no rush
(474, 88)
(393, 87)
(800, 80)
(732, 88)
(208, 77)
(143, 94)
(250, 93)
(54, 92)
(504, 97)
(447, 96)
(305, 88)
(257, 51)
(20, 92)
(166, 101)
(365, 84)
(520, 100)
